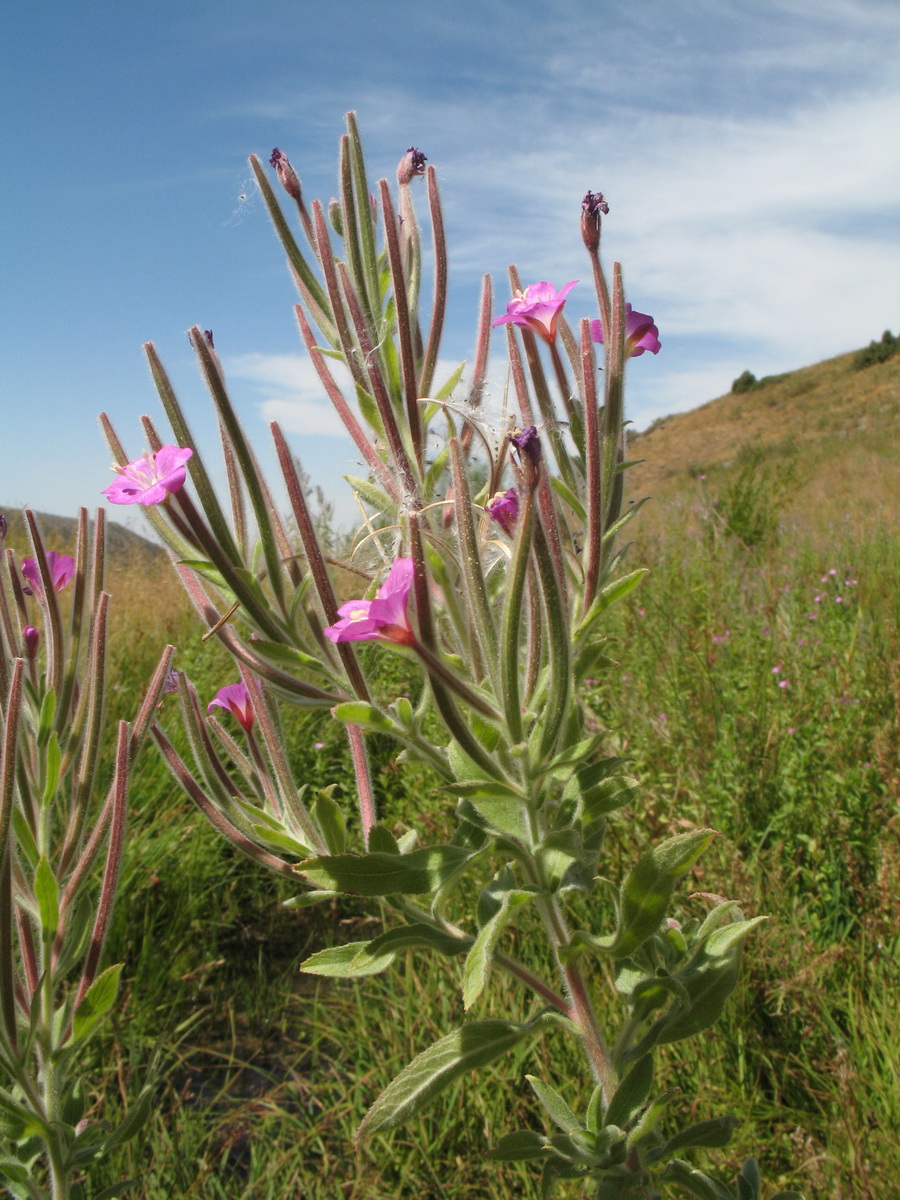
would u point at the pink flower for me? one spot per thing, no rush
(236, 699)
(383, 618)
(149, 479)
(60, 566)
(640, 333)
(537, 309)
(504, 509)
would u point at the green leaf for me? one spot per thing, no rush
(607, 796)
(714, 1133)
(609, 595)
(417, 933)
(350, 961)
(557, 1109)
(381, 840)
(749, 1181)
(45, 720)
(372, 495)
(134, 1120)
(648, 888)
(507, 815)
(329, 820)
(507, 898)
(53, 762)
(382, 874)
(357, 712)
(101, 996)
(285, 656)
(463, 1050)
(700, 1185)
(631, 1094)
(522, 1146)
(709, 979)
(562, 859)
(46, 892)
(308, 899)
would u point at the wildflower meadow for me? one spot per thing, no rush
(529, 840)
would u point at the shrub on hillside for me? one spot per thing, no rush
(876, 352)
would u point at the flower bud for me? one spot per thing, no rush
(592, 206)
(528, 445)
(31, 637)
(411, 164)
(286, 174)
(336, 217)
(504, 509)
(3, 527)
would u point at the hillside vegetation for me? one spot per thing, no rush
(832, 428)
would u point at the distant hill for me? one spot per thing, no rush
(836, 426)
(123, 547)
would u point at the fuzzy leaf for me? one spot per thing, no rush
(648, 888)
(522, 1146)
(329, 820)
(433, 1070)
(349, 961)
(557, 1109)
(709, 979)
(357, 712)
(631, 1094)
(700, 1185)
(714, 1133)
(609, 595)
(383, 874)
(477, 968)
(46, 892)
(101, 996)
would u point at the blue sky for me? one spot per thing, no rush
(749, 152)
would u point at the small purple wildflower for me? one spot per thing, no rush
(537, 309)
(235, 699)
(640, 333)
(783, 683)
(504, 509)
(411, 164)
(719, 638)
(60, 566)
(383, 618)
(150, 479)
(171, 681)
(318, 745)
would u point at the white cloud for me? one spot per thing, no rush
(289, 391)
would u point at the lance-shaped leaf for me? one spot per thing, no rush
(557, 1109)
(384, 874)
(631, 1094)
(503, 898)
(696, 1183)
(709, 979)
(98, 1000)
(648, 888)
(370, 958)
(714, 1133)
(433, 1071)
(524, 1145)
(609, 595)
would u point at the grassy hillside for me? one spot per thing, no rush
(831, 432)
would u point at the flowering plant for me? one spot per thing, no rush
(505, 635)
(62, 836)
